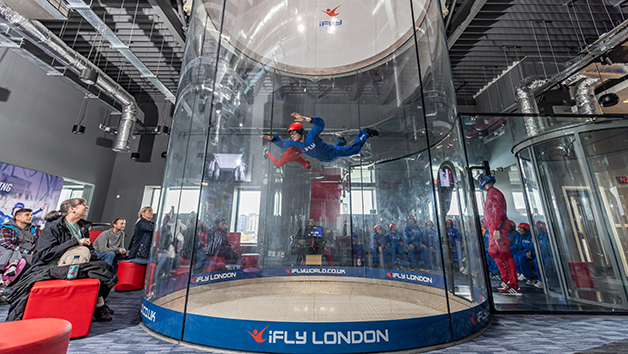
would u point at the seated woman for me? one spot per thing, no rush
(64, 230)
(142, 236)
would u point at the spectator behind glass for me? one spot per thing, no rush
(143, 234)
(66, 229)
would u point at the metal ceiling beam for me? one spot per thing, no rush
(475, 9)
(170, 19)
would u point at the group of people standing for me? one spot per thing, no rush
(416, 248)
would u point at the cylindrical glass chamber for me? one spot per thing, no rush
(358, 242)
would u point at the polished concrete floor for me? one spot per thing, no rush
(507, 334)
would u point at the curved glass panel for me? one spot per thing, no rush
(339, 243)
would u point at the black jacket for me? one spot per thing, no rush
(56, 238)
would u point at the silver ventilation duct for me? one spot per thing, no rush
(54, 46)
(524, 95)
(585, 96)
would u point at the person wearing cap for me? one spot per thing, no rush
(311, 143)
(412, 235)
(429, 240)
(395, 247)
(514, 240)
(377, 244)
(495, 212)
(453, 239)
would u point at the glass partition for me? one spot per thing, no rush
(360, 239)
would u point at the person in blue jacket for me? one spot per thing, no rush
(377, 244)
(395, 247)
(514, 240)
(528, 255)
(412, 235)
(454, 241)
(312, 145)
(429, 244)
(492, 266)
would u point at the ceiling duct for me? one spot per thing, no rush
(40, 9)
(524, 95)
(37, 33)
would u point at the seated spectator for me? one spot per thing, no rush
(357, 250)
(109, 245)
(218, 243)
(377, 244)
(412, 236)
(143, 235)
(65, 229)
(17, 241)
(527, 257)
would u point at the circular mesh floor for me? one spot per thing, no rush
(314, 299)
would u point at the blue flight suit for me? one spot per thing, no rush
(492, 266)
(430, 241)
(453, 235)
(412, 235)
(315, 147)
(394, 243)
(527, 264)
(377, 240)
(514, 240)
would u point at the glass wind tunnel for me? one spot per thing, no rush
(251, 256)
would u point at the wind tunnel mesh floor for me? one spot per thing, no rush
(314, 299)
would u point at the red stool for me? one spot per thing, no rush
(250, 260)
(42, 335)
(58, 298)
(131, 276)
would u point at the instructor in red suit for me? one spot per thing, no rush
(498, 226)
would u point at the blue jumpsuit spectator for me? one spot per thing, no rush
(412, 235)
(514, 240)
(526, 260)
(377, 244)
(395, 247)
(312, 145)
(453, 239)
(428, 246)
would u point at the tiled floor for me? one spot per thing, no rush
(507, 334)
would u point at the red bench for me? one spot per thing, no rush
(71, 300)
(42, 335)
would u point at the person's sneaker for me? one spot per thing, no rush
(266, 153)
(521, 277)
(111, 312)
(101, 314)
(530, 282)
(11, 271)
(371, 132)
(509, 290)
(502, 286)
(538, 284)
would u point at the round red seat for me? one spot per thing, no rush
(131, 276)
(250, 260)
(40, 335)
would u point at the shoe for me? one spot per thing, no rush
(265, 153)
(538, 284)
(11, 271)
(531, 282)
(101, 314)
(502, 286)
(371, 132)
(521, 277)
(509, 290)
(111, 312)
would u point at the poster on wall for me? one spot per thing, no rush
(24, 188)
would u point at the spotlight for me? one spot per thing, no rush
(89, 76)
(78, 129)
(135, 155)
(608, 100)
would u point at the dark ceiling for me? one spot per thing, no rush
(485, 37)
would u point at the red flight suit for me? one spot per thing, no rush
(496, 219)
(293, 154)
